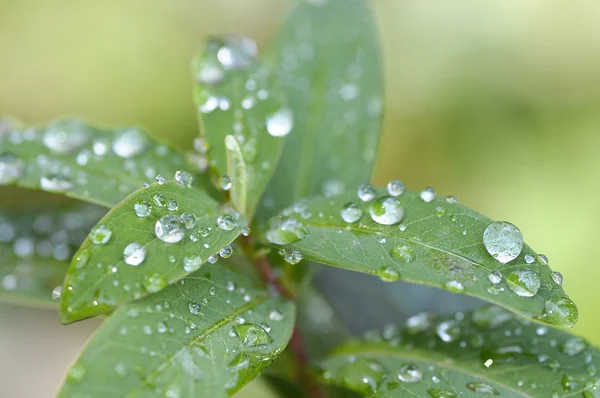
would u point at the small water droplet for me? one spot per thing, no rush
(237, 52)
(129, 143)
(142, 208)
(351, 213)
(410, 374)
(194, 308)
(495, 277)
(448, 331)
(56, 292)
(169, 229)
(252, 335)
(366, 192)
(226, 252)
(161, 179)
(542, 259)
(134, 254)
(226, 222)
(284, 230)
(524, 283)
(529, 259)
(11, 168)
(364, 375)
(386, 210)
(452, 200)
(189, 220)
(55, 183)
(388, 274)
(246, 231)
(561, 311)
(395, 188)
(482, 388)
(503, 241)
(183, 178)
(154, 283)
(66, 136)
(276, 315)
(291, 256)
(280, 123)
(557, 278)
(573, 346)
(100, 234)
(76, 373)
(225, 183)
(172, 205)
(192, 263)
(441, 393)
(428, 194)
(454, 286)
(403, 253)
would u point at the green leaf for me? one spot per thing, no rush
(328, 59)
(35, 248)
(487, 352)
(243, 116)
(207, 335)
(95, 165)
(437, 243)
(124, 259)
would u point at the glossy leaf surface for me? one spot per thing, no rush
(153, 238)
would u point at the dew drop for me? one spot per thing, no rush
(183, 178)
(395, 188)
(226, 251)
(194, 308)
(225, 183)
(161, 179)
(11, 168)
(129, 143)
(366, 192)
(410, 374)
(482, 388)
(55, 183)
(237, 53)
(142, 209)
(503, 241)
(364, 375)
(189, 220)
(388, 274)
(252, 335)
(561, 311)
(448, 331)
(134, 254)
(524, 283)
(351, 213)
(291, 256)
(169, 229)
(159, 200)
(192, 263)
(280, 123)
(172, 205)
(154, 283)
(427, 195)
(276, 315)
(529, 259)
(386, 210)
(65, 137)
(454, 286)
(403, 253)
(284, 230)
(557, 278)
(495, 277)
(226, 222)
(100, 234)
(441, 393)
(76, 373)
(56, 292)
(573, 346)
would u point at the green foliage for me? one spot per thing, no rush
(302, 121)
(489, 351)
(207, 335)
(438, 243)
(153, 238)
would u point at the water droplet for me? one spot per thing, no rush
(161, 179)
(56, 292)
(183, 178)
(410, 374)
(237, 52)
(280, 123)
(159, 200)
(226, 222)
(366, 192)
(561, 311)
(482, 388)
(212, 259)
(154, 283)
(454, 286)
(542, 259)
(403, 253)
(573, 346)
(169, 229)
(351, 212)
(490, 316)
(448, 331)
(134, 254)
(82, 258)
(55, 183)
(291, 256)
(441, 212)
(388, 274)
(210, 74)
(503, 241)
(189, 220)
(226, 252)
(225, 183)
(194, 308)
(452, 200)
(129, 143)
(557, 278)
(395, 188)
(142, 209)
(100, 234)
(76, 373)
(252, 335)
(11, 168)
(418, 323)
(441, 393)
(529, 259)
(364, 375)
(386, 210)
(172, 205)
(276, 315)
(191, 264)
(284, 230)
(246, 231)
(495, 277)
(428, 194)
(65, 137)
(524, 283)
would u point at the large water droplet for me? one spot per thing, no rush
(410, 374)
(169, 229)
(100, 234)
(284, 230)
(525, 283)
(503, 241)
(280, 123)
(482, 388)
(129, 143)
(351, 212)
(11, 168)
(154, 283)
(134, 254)
(403, 253)
(386, 210)
(561, 311)
(252, 335)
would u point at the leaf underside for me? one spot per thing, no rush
(207, 335)
(101, 277)
(327, 57)
(441, 246)
(84, 162)
(35, 249)
(487, 352)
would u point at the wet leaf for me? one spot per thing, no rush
(151, 239)
(36, 247)
(84, 162)
(243, 117)
(438, 243)
(489, 352)
(327, 57)
(206, 335)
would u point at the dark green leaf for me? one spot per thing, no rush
(84, 162)
(133, 261)
(489, 351)
(35, 249)
(242, 115)
(327, 57)
(437, 243)
(205, 336)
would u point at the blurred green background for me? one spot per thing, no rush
(496, 102)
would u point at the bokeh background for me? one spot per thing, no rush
(496, 102)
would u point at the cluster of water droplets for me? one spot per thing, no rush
(493, 334)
